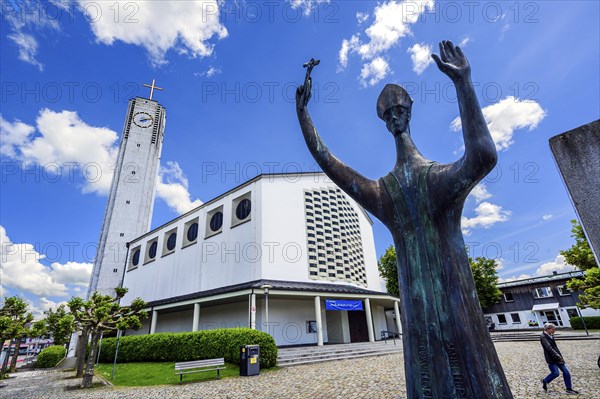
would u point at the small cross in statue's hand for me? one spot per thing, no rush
(309, 65)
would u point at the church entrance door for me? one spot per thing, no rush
(357, 321)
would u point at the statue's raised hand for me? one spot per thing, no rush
(303, 94)
(453, 62)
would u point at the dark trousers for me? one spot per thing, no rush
(554, 373)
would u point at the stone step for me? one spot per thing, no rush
(350, 355)
(316, 354)
(391, 348)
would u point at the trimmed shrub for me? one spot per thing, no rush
(198, 345)
(50, 356)
(591, 322)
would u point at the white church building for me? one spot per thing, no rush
(290, 254)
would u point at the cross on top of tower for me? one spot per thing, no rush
(152, 87)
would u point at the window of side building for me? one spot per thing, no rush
(508, 296)
(501, 319)
(563, 290)
(544, 292)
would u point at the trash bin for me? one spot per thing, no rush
(249, 360)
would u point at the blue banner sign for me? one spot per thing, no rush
(342, 304)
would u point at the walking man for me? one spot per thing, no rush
(554, 359)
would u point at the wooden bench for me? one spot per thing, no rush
(198, 366)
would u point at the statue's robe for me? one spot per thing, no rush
(446, 342)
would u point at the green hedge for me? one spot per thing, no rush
(50, 356)
(591, 322)
(180, 347)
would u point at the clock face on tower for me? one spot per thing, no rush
(142, 119)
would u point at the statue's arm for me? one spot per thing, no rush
(480, 155)
(361, 189)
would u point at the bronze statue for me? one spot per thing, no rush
(448, 352)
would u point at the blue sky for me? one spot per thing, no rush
(229, 72)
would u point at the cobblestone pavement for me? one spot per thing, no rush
(375, 377)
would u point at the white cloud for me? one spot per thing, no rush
(13, 136)
(306, 5)
(480, 193)
(374, 71)
(362, 17)
(28, 48)
(558, 265)
(487, 215)
(392, 22)
(463, 43)
(547, 217)
(65, 143)
(347, 46)
(72, 273)
(158, 26)
(420, 54)
(22, 17)
(506, 116)
(172, 187)
(21, 269)
(212, 71)
(505, 29)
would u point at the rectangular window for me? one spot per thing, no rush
(501, 319)
(515, 318)
(544, 292)
(563, 290)
(508, 296)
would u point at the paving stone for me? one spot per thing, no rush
(378, 377)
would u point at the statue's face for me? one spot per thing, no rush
(396, 119)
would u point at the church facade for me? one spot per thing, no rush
(290, 254)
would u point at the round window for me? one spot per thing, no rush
(171, 241)
(136, 257)
(243, 209)
(216, 221)
(192, 232)
(152, 250)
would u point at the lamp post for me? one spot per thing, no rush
(266, 288)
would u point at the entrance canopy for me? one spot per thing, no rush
(544, 306)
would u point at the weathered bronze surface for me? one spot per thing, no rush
(448, 352)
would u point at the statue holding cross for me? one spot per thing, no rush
(448, 352)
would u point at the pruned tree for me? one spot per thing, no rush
(581, 255)
(13, 325)
(102, 313)
(58, 324)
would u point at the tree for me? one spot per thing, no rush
(388, 270)
(58, 324)
(483, 269)
(102, 313)
(13, 325)
(486, 280)
(581, 255)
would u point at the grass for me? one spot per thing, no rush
(159, 373)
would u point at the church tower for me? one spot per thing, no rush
(131, 198)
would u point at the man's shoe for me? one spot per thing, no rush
(544, 385)
(572, 391)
